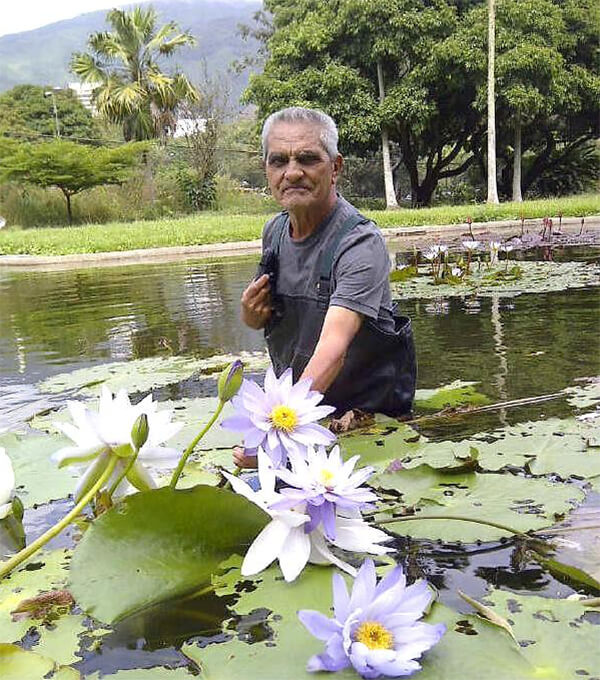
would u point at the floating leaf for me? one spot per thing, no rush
(158, 545)
(488, 614)
(457, 393)
(141, 375)
(39, 480)
(520, 503)
(18, 664)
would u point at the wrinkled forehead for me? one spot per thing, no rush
(292, 138)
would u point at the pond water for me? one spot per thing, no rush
(514, 347)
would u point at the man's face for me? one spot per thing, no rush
(299, 171)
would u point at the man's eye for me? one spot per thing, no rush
(277, 161)
(308, 159)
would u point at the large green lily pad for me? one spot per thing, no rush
(38, 479)
(471, 649)
(520, 503)
(158, 545)
(140, 375)
(536, 277)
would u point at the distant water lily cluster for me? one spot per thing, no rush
(437, 255)
(315, 500)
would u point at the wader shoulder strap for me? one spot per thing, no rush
(281, 222)
(326, 258)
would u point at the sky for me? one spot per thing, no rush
(25, 15)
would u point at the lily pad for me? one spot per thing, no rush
(536, 277)
(56, 635)
(38, 479)
(585, 395)
(141, 375)
(520, 503)
(469, 645)
(18, 664)
(157, 545)
(457, 393)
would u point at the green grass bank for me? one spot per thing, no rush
(218, 227)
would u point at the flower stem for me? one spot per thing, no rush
(190, 448)
(28, 551)
(456, 518)
(126, 468)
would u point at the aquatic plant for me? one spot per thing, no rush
(375, 629)
(282, 418)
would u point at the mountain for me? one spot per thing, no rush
(42, 56)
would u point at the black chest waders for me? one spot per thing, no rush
(380, 370)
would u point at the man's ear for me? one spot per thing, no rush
(338, 164)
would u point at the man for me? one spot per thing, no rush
(325, 303)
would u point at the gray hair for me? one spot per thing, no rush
(299, 114)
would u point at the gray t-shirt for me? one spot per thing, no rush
(360, 267)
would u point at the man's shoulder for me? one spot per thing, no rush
(365, 233)
(270, 225)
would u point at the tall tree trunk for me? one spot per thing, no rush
(69, 211)
(516, 184)
(492, 195)
(388, 178)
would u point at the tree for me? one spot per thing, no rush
(26, 112)
(70, 167)
(547, 84)
(336, 55)
(492, 195)
(124, 64)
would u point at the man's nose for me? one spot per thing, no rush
(294, 171)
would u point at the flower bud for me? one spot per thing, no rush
(230, 380)
(17, 508)
(139, 431)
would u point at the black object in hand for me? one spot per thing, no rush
(269, 264)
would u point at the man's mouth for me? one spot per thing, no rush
(295, 188)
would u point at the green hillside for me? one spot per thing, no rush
(41, 57)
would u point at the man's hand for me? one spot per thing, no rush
(242, 460)
(256, 303)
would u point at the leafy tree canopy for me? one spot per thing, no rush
(26, 112)
(433, 58)
(132, 90)
(68, 166)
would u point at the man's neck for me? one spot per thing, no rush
(304, 222)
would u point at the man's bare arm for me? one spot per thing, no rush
(256, 303)
(339, 328)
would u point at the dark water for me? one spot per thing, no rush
(52, 322)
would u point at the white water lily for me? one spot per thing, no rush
(494, 247)
(430, 254)
(7, 483)
(284, 538)
(97, 435)
(506, 248)
(471, 245)
(288, 539)
(456, 271)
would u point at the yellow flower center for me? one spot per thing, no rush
(374, 636)
(284, 418)
(327, 477)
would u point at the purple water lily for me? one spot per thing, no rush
(376, 629)
(327, 485)
(280, 419)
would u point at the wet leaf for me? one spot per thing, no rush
(39, 480)
(18, 664)
(488, 614)
(158, 545)
(141, 375)
(520, 503)
(457, 393)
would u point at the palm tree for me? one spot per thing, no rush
(132, 91)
